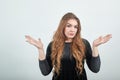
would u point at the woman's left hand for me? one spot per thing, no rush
(101, 40)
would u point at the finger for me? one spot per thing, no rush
(27, 41)
(107, 38)
(100, 38)
(30, 39)
(27, 36)
(109, 35)
(39, 39)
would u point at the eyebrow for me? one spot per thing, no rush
(68, 23)
(71, 24)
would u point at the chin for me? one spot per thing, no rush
(71, 37)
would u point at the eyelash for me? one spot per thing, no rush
(75, 26)
(68, 25)
(71, 25)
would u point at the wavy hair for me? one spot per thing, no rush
(77, 45)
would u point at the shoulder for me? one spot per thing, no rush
(49, 47)
(85, 41)
(87, 45)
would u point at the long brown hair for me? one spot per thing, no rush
(77, 45)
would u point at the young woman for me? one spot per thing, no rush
(68, 51)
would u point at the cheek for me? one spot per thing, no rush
(66, 32)
(76, 31)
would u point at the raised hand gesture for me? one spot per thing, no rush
(101, 40)
(36, 43)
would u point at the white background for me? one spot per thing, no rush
(40, 18)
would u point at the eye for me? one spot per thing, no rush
(76, 26)
(68, 25)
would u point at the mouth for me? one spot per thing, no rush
(71, 34)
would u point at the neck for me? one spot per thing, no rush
(68, 40)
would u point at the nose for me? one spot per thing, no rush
(72, 28)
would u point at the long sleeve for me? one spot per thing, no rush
(92, 62)
(46, 65)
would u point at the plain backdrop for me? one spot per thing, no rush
(40, 19)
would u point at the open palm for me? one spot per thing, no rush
(101, 40)
(36, 43)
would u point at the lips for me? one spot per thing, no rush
(71, 34)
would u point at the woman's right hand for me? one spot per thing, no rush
(36, 43)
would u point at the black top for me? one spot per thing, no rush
(68, 64)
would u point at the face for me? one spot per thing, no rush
(71, 29)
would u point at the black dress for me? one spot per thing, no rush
(68, 64)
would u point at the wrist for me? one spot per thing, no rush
(41, 54)
(94, 46)
(40, 48)
(95, 51)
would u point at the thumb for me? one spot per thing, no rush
(39, 39)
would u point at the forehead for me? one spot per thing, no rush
(72, 21)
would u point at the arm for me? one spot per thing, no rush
(93, 62)
(99, 41)
(92, 56)
(38, 44)
(46, 64)
(44, 61)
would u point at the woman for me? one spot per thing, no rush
(68, 51)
